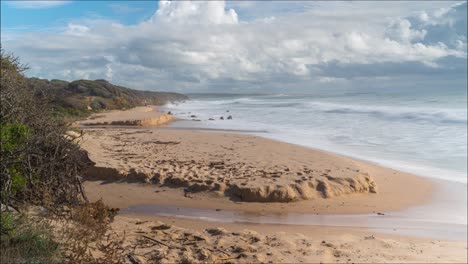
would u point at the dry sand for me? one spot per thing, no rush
(138, 116)
(188, 241)
(241, 172)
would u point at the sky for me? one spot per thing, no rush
(242, 46)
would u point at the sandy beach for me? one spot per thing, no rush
(138, 116)
(136, 163)
(240, 131)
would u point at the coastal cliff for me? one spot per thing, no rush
(83, 97)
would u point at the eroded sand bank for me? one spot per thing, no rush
(246, 168)
(138, 116)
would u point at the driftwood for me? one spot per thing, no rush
(159, 242)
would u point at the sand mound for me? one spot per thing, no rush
(325, 187)
(221, 178)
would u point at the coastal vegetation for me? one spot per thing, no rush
(78, 99)
(45, 215)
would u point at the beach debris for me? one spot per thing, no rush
(327, 244)
(216, 231)
(211, 119)
(203, 254)
(161, 227)
(186, 193)
(380, 213)
(371, 237)
(157, 241)
(135, 259)
(243, 248)
(217, 164)
(229, 117)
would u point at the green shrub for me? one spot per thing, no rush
(26, 241)
(14, 138)
(13, 135)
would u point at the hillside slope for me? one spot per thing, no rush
(83, 97)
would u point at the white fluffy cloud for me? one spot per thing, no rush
(208, 12)
(205, 45)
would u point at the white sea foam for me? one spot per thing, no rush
(426, 135)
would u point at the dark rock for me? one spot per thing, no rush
(193, 116)
(221, 118)
(161, 227)
(169, 113)
(216, 231)
(229, 117)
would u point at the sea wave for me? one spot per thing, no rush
(395, 113)
(442, 115)
(423, 136)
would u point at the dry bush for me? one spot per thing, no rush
(85, 235)
(38, 165)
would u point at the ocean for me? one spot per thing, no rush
(421, 132)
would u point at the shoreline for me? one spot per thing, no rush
(378, 162)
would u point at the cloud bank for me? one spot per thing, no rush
(207, 46)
